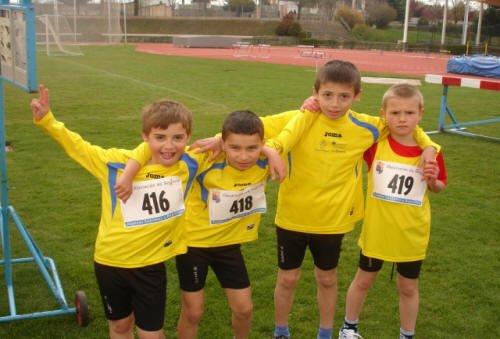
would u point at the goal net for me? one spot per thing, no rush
(56, 36)
(62, 26)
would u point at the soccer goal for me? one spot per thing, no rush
(56, 36)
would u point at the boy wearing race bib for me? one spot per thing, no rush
(322, 196)
(135, 238)
(396, 226)
(223, 211)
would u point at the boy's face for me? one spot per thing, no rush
(242, 151)
(402, 115)
(335, 99)
(167, 145)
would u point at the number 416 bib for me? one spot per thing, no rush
(224, 206)
(398, 183)
(153, 201)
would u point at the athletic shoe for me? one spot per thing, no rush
(346, 333)
(281, 337)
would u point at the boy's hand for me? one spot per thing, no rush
(40, 107)
(428, 155)
(275, 163)
(431, 171)
(311, 104)
(208, 144)
(123, 188)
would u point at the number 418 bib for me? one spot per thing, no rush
(224, 206)
(398, 183)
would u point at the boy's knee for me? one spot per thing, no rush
(244, 311)
(326, 279)
(192, 314)
(150, 334)
(362, 284)
(408, 290)
(122, 326)
(288, 280)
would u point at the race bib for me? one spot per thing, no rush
(398, 183)
(153, 201)
(224, 206)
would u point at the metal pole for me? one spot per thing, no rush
(74, 19)
(445, 19)
(5, 205)
(466, 22)
(479, 24)
(125, 20)
(407, 17)
(109, 21)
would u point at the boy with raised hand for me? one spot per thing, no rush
(223, 211)
(135, 239)
(396, 227)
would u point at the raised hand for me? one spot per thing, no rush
(40, 107)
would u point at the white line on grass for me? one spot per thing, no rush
(142, 82)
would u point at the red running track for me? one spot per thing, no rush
(401, 63)
(416, 64)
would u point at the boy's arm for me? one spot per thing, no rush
(424, 141)
(292, 132)
(93, 158)
(275, 163)
(140, 157)
(435, 174)
(274, 124)
(213, 144)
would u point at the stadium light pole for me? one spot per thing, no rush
(445, 18)
(465, 22)
(479, 24)
(407, 17)
(125, 20)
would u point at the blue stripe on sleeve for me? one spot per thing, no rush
(192, 165)
(366, 125)
(262, 163)
(112, 175)
(289, 164)
(204, 191)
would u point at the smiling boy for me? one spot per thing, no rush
(133, 241)
(224, 211)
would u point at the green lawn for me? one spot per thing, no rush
(100, 96)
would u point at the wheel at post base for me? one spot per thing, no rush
(82, 309)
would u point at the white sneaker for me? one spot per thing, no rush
(346, 333)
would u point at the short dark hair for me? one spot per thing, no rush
(163, 112)
(339, 71)
(242, 122)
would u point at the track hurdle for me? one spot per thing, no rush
(18, 67)
(456, 127)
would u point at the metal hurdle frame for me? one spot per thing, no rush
(26, 79)
(456, 127)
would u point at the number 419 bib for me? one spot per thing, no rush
(224, 206)
(398, 183)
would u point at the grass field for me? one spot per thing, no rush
(100, 96)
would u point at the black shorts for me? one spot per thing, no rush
(409, 270)
(226, 262)
(139, 290)
(325, 249)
